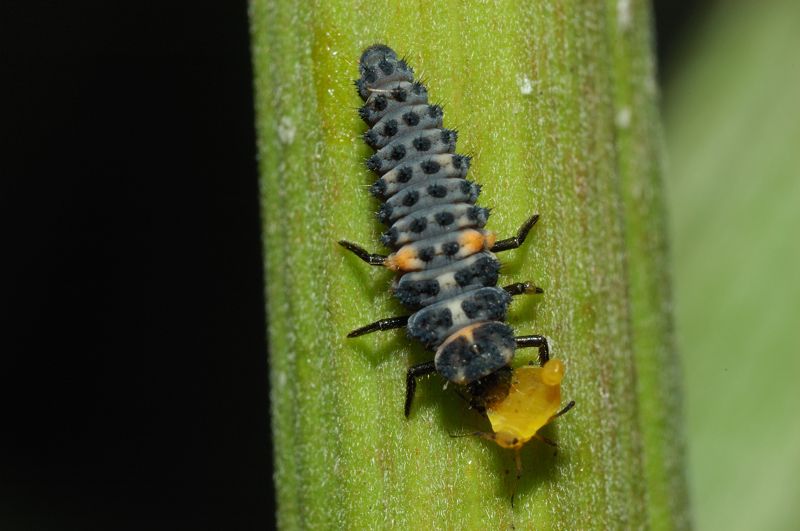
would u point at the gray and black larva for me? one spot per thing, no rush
(447, 270)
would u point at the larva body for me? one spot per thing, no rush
(444, 258)
(433, 218)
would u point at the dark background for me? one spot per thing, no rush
(134, 390)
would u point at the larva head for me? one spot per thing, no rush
(532, 401)
(378, 65)
(374, 54)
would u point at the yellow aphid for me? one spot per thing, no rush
(533, 400)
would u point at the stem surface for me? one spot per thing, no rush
(556, 103)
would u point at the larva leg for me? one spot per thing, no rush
(522, 288)
(371, 259)
(414, 372)
(379, 326)
(519, 239)
(535, 341)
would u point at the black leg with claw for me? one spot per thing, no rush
(414, 372)
(379, 326)
(371, 259)
(519, 239)
(537, 341)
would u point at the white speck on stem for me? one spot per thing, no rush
(286, 130)
(525, 85)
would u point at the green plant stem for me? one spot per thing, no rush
(658, 370)
(535, 92)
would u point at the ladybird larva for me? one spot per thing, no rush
(445, 260)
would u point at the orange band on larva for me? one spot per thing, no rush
(403, 260)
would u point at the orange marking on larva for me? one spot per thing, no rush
(472, 240)
(466, 333)
(402, 260)
(490, 239)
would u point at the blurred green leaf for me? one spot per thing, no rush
(733, 125)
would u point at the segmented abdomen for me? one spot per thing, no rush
(446, 271)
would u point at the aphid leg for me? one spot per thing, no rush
(545, 440)
(518, 462)
(522, 288)
(535, 341)
(481, 434)
(548, 442)
(519, 239)
(566, 408)
(371, 259)
(517, 456)
(414, 372)
(379, 326)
